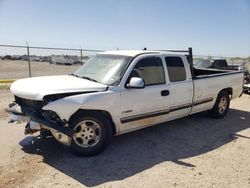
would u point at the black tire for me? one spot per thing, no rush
(105, 133)
(217, 111)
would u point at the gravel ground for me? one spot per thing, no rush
(196, 151)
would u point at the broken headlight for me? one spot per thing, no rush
(52, 116)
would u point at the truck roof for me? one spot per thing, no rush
(131, 53)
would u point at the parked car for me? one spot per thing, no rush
(16, 57)
(64, 59)
(246, 86)
(246, 67)
(116, 92)
(6, 57)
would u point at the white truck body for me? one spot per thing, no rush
(131, 108)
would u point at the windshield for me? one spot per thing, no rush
(105, 69)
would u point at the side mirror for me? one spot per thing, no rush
(135, 82)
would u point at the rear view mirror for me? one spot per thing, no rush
(137, 83)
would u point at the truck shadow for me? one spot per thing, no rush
(135, 152)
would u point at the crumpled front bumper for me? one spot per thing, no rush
(16, 114)
(34, 122)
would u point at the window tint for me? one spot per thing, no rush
(176, 69)
(150, 70)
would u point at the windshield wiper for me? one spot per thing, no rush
(72, 74)
(88, 78)
(84, 77)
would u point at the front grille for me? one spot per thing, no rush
(31, 105)
(34, 108)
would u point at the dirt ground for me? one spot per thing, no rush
(196, 151)
(19, 69)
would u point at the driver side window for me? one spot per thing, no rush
(151, 70)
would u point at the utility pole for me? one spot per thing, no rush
(28, 53)
(81, 55)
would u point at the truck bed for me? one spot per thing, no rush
(203, 73)
(209, 82)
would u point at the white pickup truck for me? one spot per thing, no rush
(120, 91)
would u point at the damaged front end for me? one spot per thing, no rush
(37, 119)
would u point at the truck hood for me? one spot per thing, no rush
(38, 87)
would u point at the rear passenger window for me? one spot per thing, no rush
(176, 69)
(150, 69)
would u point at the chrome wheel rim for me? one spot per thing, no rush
(87, 133)
(222, 105)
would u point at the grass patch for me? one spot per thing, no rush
(4, 87)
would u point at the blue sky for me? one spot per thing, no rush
(214, 27)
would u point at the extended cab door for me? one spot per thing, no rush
(146, 106)
(180, 86)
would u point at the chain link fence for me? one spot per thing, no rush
(29, 61)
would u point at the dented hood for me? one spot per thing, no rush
(38, 87)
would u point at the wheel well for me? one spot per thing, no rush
(107, 114)
(229, 90)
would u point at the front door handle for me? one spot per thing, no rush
(164, 92)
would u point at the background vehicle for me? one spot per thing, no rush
(64, 59)
(121, 91)
(246, 67)
(217, 64)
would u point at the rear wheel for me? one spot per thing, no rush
(221, 105)
(92, 132)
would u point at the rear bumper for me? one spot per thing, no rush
(34, 122)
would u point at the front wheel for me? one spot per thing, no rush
(221, 105)
(91, 134)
